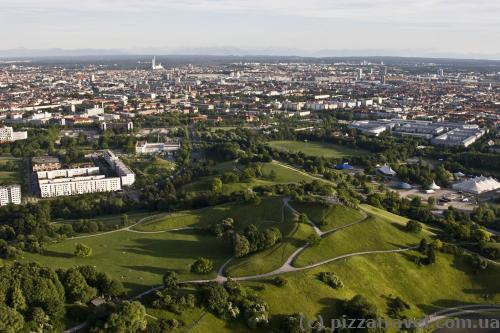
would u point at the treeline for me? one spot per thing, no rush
(423, 174)
(27, 227)
(457, 225)
(34, 298)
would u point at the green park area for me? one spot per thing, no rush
(140, 255)
(272, 173)
(11, 170)
(324, 149)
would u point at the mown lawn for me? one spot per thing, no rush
(110, 221)
(328, 150)
(283, 175)
(138, 260)
(11, 177)
(450, 281)
(267, 213)
(328, 216)
(372, 234)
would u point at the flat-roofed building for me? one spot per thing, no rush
(44, 163)
(7, 134)
(68, 173)
(459, 137)
(10, 194)
(144, 147)
(55, 187)
(126, 175)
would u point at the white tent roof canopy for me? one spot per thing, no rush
(477, 185)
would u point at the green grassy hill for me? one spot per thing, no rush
(140, 259)
(284, 175)
(269, 211)
(328, 216)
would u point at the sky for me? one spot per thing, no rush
(393, 27)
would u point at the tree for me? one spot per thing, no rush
(481, 235)
(314, 240)
(478, 263)
(170, 280)
(124, 220)
(11, 321)
(82, 250)
(431, 201)
(241, 246)
(303, 218)
(230, 177)
(396, 306)
(215, 298)
(76, 287)
(413, 226)
(216, 185)
(359, 307)
(331, 279)
(279, 281)
(17, 299)
(431, 256)
(108, 286)
(129, 317)
(202, 266)
(423, 246)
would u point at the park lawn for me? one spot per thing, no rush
(267, 213)
(211, 323)
(283, 175)
(11, 177)
(450, 281)
(138, 260)
(401, 220)
(109, 221)
(372, 234)
(324, 149)
(328, 216)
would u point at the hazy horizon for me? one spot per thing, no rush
(426, 28)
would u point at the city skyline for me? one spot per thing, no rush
(310, 28)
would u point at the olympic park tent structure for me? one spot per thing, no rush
(434, 186)
(404, 186)
(343, 166)
(386, 170)
(477, 185)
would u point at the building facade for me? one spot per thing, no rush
(10, 195)
(56, 187)
(7, 134)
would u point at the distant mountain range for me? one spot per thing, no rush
(240, 52)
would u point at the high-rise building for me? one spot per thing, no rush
(10, 195)
(7, 134)
(359, 74)
(154, 65)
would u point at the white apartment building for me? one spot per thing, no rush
(10, 195)
(68, 173)
(7, 134)
(126, 175)
(143, 147)
(56, 187)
